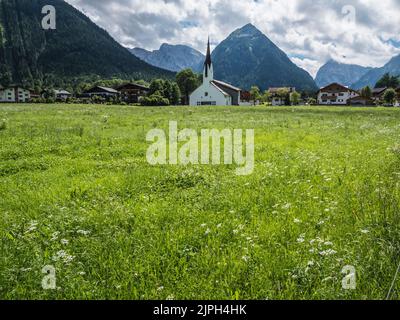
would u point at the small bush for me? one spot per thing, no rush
(155, 100)
(3, 124)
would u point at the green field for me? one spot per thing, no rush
(77, 193)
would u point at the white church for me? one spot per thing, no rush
(213, 92)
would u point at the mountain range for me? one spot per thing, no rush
(77, 47)
(372, 77)
(345, 74)
(246, 58)
(171, 57)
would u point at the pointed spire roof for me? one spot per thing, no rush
(207, 62)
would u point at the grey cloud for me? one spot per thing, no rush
(312, 29)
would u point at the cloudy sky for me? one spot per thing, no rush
(365, 32)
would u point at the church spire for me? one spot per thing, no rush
(207, 63)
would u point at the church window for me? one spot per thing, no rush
(206, 94)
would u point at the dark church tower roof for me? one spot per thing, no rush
(207, 63)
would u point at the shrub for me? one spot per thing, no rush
(155, 100)
(3, 124)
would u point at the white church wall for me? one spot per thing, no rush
(208, 93)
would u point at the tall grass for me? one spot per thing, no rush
(77, 193)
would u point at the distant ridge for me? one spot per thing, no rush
(345, 74)
(373, 76)
(171, 57)
(78, 47)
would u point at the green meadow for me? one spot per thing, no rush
(77, 193)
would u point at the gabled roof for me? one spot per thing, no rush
(103, 89)
(219, 89)
(360, 98)
(223, 85)
(131, 85)
(62, 92)
(342, 87)
(378, 90)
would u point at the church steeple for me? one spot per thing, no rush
(208, 69)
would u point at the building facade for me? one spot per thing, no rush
(62, 95)
(276, 95)
(335, 94)
(100, 91)
(213, 92)
(14, 94)
(132, 92)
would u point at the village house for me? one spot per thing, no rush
(377, 93)
(62, 95)
(14, 93)
(100, 91)
(336, 94)
(132, 92)
(277, 99)
(214, 92)
(361, 101)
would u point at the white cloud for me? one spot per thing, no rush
(309, 31)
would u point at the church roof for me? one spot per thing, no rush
(219, 89)
(222, 85)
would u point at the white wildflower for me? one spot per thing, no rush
(83, 232)
(328, 252)
(64, 256)
(54, 236)
(301, 238)
(32, 226)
